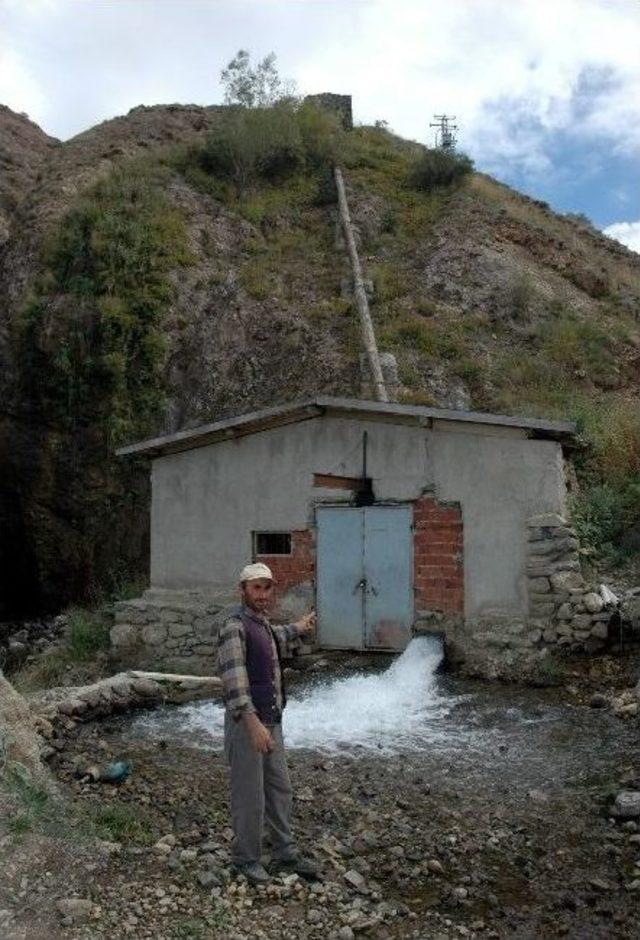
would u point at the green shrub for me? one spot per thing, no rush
(520, 294)
(389, 282)
(579, 345)
(603, 514)
(91, 351)
(91, 339)
(271, 143)
(321, 133)
(437, 168)
(378, 148)
(88, 633)
(469, 370)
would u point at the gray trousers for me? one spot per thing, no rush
(261, 794)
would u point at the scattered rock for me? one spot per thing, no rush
(78, 910)
(598, 700)
(627, 805)
(355, 879)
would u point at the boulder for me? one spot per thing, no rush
(608, 597)
(627, 805)
(593, 603)
(566, 580)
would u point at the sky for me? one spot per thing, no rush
(546, 93)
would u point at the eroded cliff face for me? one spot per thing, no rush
(140, 296)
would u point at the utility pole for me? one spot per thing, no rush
(445, 131)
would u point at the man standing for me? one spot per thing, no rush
(249, 655)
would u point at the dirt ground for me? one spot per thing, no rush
(498, 829)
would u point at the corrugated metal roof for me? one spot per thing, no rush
(293, 412)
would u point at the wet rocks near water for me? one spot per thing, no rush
(413, 846)
(124, 691)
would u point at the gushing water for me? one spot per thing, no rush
(398, 709)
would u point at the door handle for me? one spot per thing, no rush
(361, 585)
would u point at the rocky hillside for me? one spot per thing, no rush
(143, 292)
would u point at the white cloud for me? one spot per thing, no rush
(515, 74)
(511, 72)
(20, 91)
(626, 232)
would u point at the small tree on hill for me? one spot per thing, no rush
(259, 87)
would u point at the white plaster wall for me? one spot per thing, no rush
(206, 502)
(499, 482)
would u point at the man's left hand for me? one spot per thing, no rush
(306, 624)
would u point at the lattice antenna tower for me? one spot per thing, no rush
(445, 131)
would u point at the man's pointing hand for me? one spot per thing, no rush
(306, 624)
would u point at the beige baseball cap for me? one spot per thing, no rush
(255, 571)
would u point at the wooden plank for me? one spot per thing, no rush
(332, 482)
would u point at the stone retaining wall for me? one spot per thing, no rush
(169, 630)
(567, 611)
(564, 613)
(177, 630)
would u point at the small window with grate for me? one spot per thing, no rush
(271, 543)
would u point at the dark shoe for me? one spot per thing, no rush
(298, 865)
(253, 872)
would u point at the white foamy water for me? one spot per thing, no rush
(399, 709)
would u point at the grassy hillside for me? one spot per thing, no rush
(155, 284)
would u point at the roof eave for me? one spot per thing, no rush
(280, 415)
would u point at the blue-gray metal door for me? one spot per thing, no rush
(364, 583)
(388, 563)
(339, 561)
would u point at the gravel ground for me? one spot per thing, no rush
(498, 827)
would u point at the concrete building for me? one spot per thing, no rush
(388, 518)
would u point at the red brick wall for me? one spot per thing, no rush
(438, 560)
(438, 568)
(296, 568)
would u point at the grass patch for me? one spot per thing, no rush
(390, 282)
(88, 633)
(20, 824)
(409, 331)
(258, 279)
(35, 802)
(579, 345)
(418, 396)
(520, 295)
(552, 669)
(121, 823)
(78, 657)
(199, 928)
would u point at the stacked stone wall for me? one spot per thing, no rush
(340, 104)
(568, 612)
(169, 630)
(565, 613)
